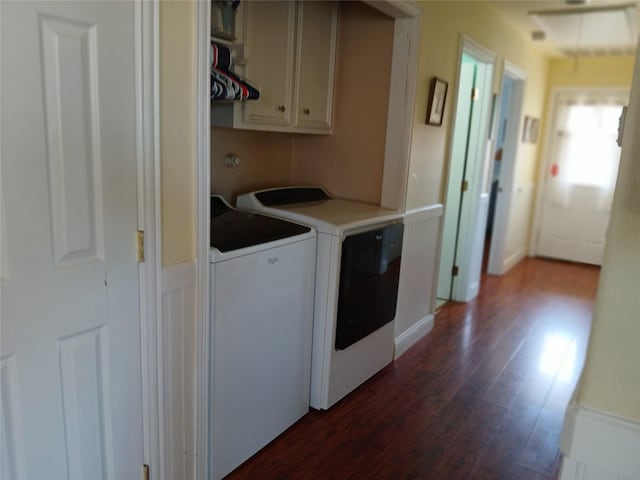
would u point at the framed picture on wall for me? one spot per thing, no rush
(533, 131)
(437, 98)
(526, 129)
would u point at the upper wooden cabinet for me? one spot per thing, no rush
(290, 52)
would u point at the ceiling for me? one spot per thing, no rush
(595, 27)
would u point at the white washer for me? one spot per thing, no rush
(357, 272)
(262, 274)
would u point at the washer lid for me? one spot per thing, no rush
(313, 206)
(233, 229)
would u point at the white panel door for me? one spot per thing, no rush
(70, 370)
(580, 177)
(453, 200)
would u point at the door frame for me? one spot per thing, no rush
(406, 44)
(147, 75)
(545, 162)
(465, 288)
(506, 183)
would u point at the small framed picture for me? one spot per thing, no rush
(437, 98)
(533, 131)
(526, 129)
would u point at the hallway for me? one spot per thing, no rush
(482, 396)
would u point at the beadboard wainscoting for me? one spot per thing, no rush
(418, 276)
(597, 446)
(178, 369)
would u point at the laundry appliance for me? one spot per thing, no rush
(262, 273)
(357, 273)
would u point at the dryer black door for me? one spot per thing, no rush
(369, 276)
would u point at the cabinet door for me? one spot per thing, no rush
(269, 50)
(317, 25)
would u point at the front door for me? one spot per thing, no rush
(580, 176)
(70, 376)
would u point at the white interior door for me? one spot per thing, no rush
(467, 200)
(580, 176)
(70, 377)
(453, 199)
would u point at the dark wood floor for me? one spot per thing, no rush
(482, 396)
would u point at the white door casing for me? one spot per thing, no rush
(73, 138)
(466, 215)
(506, 184)
(576, 204)
(456, 173)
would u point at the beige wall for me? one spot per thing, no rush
(591, 71)
(442, 24)
(177, 129)
(349, 162)
(265, 161)
(611, 377)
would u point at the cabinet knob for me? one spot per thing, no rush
(281, 108)
(306, 111)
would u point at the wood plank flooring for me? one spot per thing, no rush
(482, 396)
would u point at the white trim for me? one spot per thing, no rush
(549, 123)
(513, 259)
(203, 107)
(402, 94)
(416, 297)
(411, 335)
(420, 214)
(514, 71)
(477, 50)
(147, 51)
(178, 276)
(400, 112)
(597, 444)
(465, 287)
(506, 184)
(395, 9)
(178, 375)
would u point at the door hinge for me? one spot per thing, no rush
(475, 94)
(145, 472)
(454, 271)
(140, 245)
(465, 186)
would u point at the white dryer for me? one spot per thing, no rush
(357, 275)
(262, 273)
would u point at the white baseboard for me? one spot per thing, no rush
(410, 336)
(599, 446)
(514, 258)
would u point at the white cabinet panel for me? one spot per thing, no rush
(290, 52)
(270, 55)
(317, 28)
